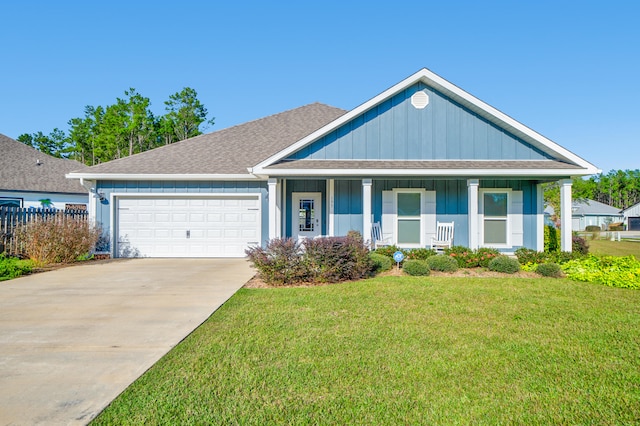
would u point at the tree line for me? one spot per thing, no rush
(125, 128)
(618, 188)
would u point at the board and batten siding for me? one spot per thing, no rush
(166, 188)
(395, 130)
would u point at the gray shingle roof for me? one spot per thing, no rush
(227, 151)
(20, 171)
(423, 164)
(592, 207)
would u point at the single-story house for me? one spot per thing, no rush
(421, 152)
(30, 178)
(632, 217)
(594, 213)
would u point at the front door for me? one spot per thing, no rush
(307, 214)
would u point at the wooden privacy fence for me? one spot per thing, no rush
(12, 217)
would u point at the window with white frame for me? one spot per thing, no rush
(495, 209)
(10, 202)
(408, 218)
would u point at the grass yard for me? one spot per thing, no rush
(403, 350)
(614, 248)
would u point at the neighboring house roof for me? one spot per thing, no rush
(23, 168)
(635, 209)
(593, 208)
(227, 152)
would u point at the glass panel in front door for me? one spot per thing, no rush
(306, 215)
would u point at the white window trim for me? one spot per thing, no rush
(482, 192)
(423, 216)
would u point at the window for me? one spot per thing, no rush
(10, 202)
(408, 217)
(496, 218)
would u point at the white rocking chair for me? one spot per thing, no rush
(444, 236)
(376, 237)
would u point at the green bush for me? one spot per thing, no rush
(485, 255)
(464, 256)
(592, 228)
(416, 267)
(504, 264)
(389, 250)
(551, 238)
(12, 267)
(561, 257)
(549, 270)
(526, 255)
(420, 254)
(380, 262)
(442, 263)
(609, 270)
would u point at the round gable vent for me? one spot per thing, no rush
(420, 100)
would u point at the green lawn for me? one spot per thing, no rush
(614, 248)
(403, 350)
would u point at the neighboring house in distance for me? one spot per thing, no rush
(632, 217)
(28, 178)
(421, 152)
(594, 213)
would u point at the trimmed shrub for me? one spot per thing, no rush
(416, 267)
(549, 270)
(380, 262)
(464, 256)
(280, 262)
(526, 255)
(486, 255)
(335, 259)
(551, 238)
(389, 250)
(420, 254)
(58, 239)
(284, 261)
(592, 228)
(579, 245)
(442, 263)
(12, 267)
(504, 264)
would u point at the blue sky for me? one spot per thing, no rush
(569, 70)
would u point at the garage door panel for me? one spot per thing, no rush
(218, 226)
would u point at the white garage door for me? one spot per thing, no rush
(187, 227)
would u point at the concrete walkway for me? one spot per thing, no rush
(71, 340)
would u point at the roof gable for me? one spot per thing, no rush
(512, 139)
(23, 168)
(396, 130)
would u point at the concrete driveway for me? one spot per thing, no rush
(71, 340)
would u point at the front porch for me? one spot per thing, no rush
(500, 213)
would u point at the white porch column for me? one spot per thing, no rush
(539, 217)
(366, 209)
(472, 189)
(565, 214)
(273, 207)
(331, 185)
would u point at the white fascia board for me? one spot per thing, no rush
(464, 98)
(425, 172)
(177, 177)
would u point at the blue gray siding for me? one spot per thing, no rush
(347, 206)
(395, 130)
(103, 210)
